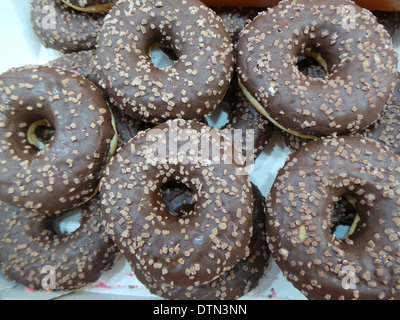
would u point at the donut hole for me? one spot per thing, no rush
(40, 134)
(178, 198)
(311, 68)
(220, 116)
(162, 56)
(67, 222)
(344, 221)
(315, 63)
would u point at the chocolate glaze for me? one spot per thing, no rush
(28, 243)
(361, 62)
(386, 129)
(189, 89)
(72, 31)
(67, 173)
(189, 250)
(232, 284)
(298, 219)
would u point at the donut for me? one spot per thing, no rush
(192, 87)
(232, 284)
(67, 171)
(60, 27)
(91, 6)
(30, 246)
(364, 264)
(360, 62)
(179, 250)
(386, 130)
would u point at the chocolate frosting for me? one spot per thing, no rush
(60, 27)
(232, 284)
(189, 89)
(299, 215)
(189, 250)
(68, 171)
(29, 244)
(361, 62)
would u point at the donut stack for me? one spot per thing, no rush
(42, 179)
(216, 247)
(337, 105)
(107, 131)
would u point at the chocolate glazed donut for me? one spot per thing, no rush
(232, 284)
(363, 265)
(189, 250)
(189, 89)
(30, 244)
(67, 171)
(60, 27)
(360, 61)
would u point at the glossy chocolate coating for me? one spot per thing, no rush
(385, 130)
(29, 244)
(66, 173)
(361, 62)
(189, 250)
(62, 28)
(189, 89)
(299, 215)
(232, 284)
(83, 63)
